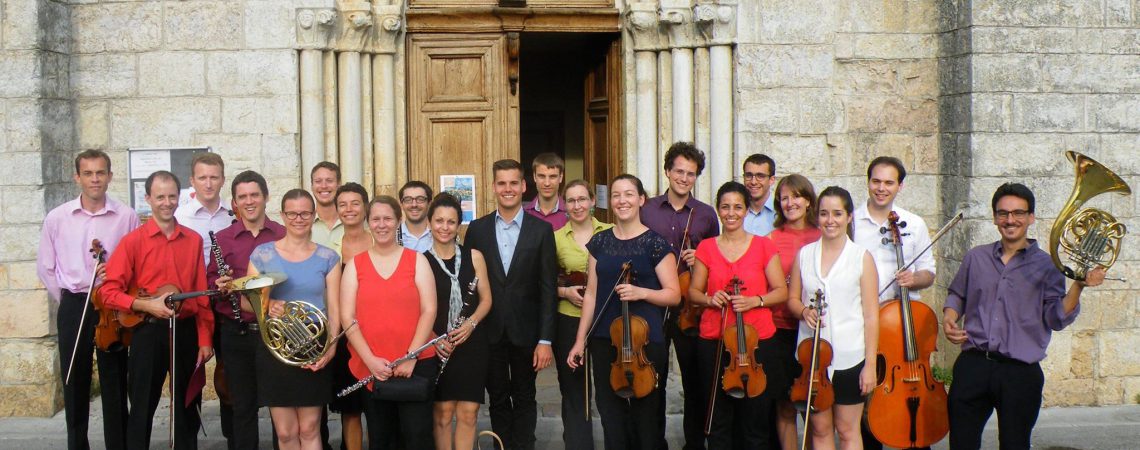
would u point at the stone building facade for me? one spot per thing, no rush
(968, 93)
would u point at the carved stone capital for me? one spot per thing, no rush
(390, 27)
(314, 27)
(716, 21)
(679, 25)
(355, 25)
(644, 28)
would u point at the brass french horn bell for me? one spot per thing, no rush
(1090, 237)
(300, 336)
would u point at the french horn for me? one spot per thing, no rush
(1090, 237)
(299, 336)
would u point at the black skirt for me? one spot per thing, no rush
(464, 378)
(341, 378)
(282, 385)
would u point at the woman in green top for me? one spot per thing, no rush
(573, 259)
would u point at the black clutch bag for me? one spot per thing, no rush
(416, 388)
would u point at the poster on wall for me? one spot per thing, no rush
(142, 162)
(463, 188)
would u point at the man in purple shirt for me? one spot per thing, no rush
(65, 266)
(239, 329)
(683, 221)
(1011, 298)
(547, 170)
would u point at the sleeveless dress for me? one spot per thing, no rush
(279, 384)
(341, 378)
(464, 377)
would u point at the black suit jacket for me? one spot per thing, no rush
(524, 301)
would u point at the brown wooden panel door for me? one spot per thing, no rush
(603, 151)
(461, 114)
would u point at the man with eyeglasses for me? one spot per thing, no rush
(1010, 298)
(684, 222)
(414, 233)
(885, 176)
(759, 176)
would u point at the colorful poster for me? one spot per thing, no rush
(463, 188)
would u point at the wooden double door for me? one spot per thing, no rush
(464, 109)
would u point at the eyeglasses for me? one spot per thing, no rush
(756, 176)
(1016, 214)
(577, 200)
(418, 199)
(304, 215)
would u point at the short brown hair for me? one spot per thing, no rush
(387, 200)
(92, 154)
(548, 159)
(207, 158)
(579, 182)
(506, 164)
(326, 165)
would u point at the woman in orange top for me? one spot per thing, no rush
(737, 423)
(796, 226)
(390, 292)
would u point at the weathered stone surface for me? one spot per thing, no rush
(28, 311)
(896, 16)
(1006, 73)
(1048, 112)
(1010, 154)
(92, 129)
(1068, 393)
(1131, 390)
(20, 23)
(820, 111)
(23, 126)
(22, 275)
(172, 73)
(1119, 353)
(766, 110)
(19, 169)
(1118, 151)
(1114, 112)
(30, 400)
(1104, 309)
(1109, 390)
(866, 76)
(798, 22)
(111, 27)
(891, 114)
(54, 26)
(203, 25)
(27, 362)
(1126, 41)
(104, 75)
(1083, 353)
(280, 155)
(1118, 12)
(769, 66)
(992, 112)
(149, 123)
(19, 73)
(1037, 13)
(868, 146)
(23, 204)
(921, 196)
(896, 46)
(269, 24)
(276, 114)
(1059, 357)
(804, 154)
(1091, 73)
(918, 78)
(252, 73)
(240, 151)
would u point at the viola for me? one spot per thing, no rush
(743, 377)
(812, 390)
(110, 335)
(908, 407)
(689, 317)
(632, 375)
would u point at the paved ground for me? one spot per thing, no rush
(1110, 427)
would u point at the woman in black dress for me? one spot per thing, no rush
(464, 300)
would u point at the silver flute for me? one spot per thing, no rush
(458, 322)
(408, 357)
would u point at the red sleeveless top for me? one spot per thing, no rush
(387, 310)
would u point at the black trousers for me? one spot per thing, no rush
(510, 387)
(402, 425)
(147, 369)
(237, 354)
(577, 433)
(982, 385)
(77, 394)
(633, 423)
(741, 423)
(695, 397)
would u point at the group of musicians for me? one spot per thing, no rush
(734, 288)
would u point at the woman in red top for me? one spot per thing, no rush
(737, 423)
(796, 226)
(390, 292)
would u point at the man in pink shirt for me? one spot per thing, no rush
(65, 266)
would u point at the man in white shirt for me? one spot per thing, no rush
(885, 176)
(414, 198)
(206, 212)
(759, 177)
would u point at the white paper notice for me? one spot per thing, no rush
(602, 196)
(146, 162)
(138, 189)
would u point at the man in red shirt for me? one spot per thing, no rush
(161, 252)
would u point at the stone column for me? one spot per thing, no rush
(313, 28)
(355, 27)
(678, 23)
(389, 36)
(642, 26)
(718, 25)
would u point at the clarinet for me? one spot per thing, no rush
(225, 271)
(456, 324)
(408, 357)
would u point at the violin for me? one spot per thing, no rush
(632, 375)
(131, 319)
(812, 390)
(110, 335)
(908, 406)
(743, 376)
(574, 278)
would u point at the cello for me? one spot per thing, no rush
(812, 390)
(743, 377)
(110, 335)
(908, 407)
(632, 375)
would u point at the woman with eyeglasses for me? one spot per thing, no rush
(389, 291)
(296, 396)
(845, 274)
(351, 200)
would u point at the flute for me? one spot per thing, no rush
(408, 357)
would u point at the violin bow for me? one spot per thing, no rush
(941, 232)
(716, 370)
(83, 317)
(627, 268)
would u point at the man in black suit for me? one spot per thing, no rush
(522, 267)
